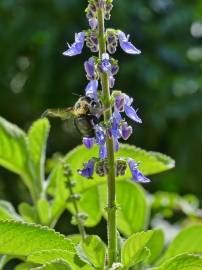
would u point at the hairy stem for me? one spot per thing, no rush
(111, 207)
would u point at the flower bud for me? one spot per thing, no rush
(102, 168)
(121, 166)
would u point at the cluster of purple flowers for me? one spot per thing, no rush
(118, 128)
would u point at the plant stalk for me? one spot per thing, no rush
(111, 207)
(76, 209)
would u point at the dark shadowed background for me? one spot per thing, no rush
(165, 80)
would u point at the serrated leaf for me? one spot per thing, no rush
(134, 249)
(55, 265)
(14, 154)
(22, 239)
(182, 262)
(37, 138)
(133, 210)
(13, 147)
(46, 256)
(188, 240)
(156, 245)
(7, 211)
(95, 250)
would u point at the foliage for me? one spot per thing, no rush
(134, 242)
(52, 250)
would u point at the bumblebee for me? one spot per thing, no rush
(85, 114)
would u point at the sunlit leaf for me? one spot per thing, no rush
(22, 239)
(181, 262)
(134, 249)
(188, 240)
(37, 138)
(46, 256)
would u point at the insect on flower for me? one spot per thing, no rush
(84, 114)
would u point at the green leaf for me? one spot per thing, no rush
(24, 266)
(59, 191)
(7, 211)
(156, 245)
(22, 239)
(95, 250)
(133, 210)
(188, 240)
(44, 211)
(182, 262)
(55, 265)
(13, 150)
(134, 249)
(37, 138)
(46, 256)
(28, 212)
(89, 197)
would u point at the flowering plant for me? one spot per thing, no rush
(77, 182)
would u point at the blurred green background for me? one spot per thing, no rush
(165, 80)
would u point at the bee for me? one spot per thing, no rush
(85, 114)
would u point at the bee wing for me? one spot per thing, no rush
(63, 114)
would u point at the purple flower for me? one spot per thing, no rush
(115, 128)
(77, 46)
(91, 90)
(119, 103)
(126, 131)
(111, 81)
(88, 142)
(105, 65)
(116, 144)
(90, 68)
(118, 116)
(93, 22)
(88, 169)
(127, 46)
(100, 135)
(103, 151)
(114, 69)
(130, 111)
(137, 175)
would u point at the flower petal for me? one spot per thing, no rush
(127, 46)
(77, 46)
(100, 135)
(88, 142)
(90, 68)
(136, 174)
(91, 90)
(88, 169)
(111, 81)
(93, 23)
(132, 113)
(126, 131)
(103, 151)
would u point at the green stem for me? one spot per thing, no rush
(111, 207)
